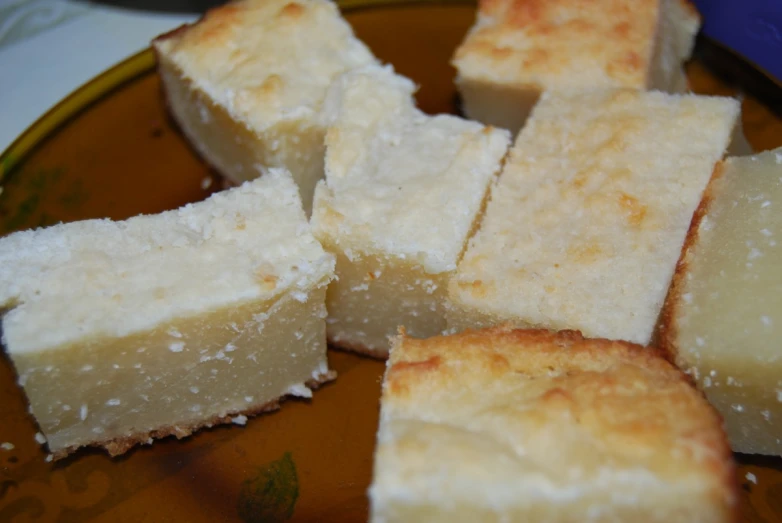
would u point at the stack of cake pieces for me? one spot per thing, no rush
(162, 324)
(582, 230)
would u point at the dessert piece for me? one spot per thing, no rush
(722, 322)
(402, 193)
(125, 331)
(509, 425)
(246, 84)
(589, 216)
(519, 48)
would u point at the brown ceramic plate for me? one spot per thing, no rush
(109, 150)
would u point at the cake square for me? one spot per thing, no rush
(722, 320)
(403, 191)
(588, 218)
(520, 48)
(512, 425)
(246, 84)
(121, 332)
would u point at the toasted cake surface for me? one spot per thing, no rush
(402, 193)
(121, 332)
(399, 181)
(520, 48)
(586, 222)
(85, 278)
(266, 60)
(533, 424)
(561, 43)
(723, 316)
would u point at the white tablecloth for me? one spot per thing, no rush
(48, 48)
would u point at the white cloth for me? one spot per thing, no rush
(48, 48)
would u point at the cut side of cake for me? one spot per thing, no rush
(246, 84)
(125, 331)
(402, 193)
(587, 220)
(520, 48)
(512, 425)
(722, 322)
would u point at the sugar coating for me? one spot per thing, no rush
(402, 192)
(99, 277)
(588, 218)
(723, 318)
(397, 180)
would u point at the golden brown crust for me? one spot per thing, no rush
(504, 344)
(118, 446)
(545, 42)
(174, 33)
(642, 410)
(215, 22)
(666, 331)
(611, 256)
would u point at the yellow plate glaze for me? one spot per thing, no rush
(109, 150)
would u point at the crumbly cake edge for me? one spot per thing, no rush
(118, 446)
(667, 328)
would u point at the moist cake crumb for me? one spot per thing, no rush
(724, 308)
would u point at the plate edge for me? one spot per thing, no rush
(89, 92)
